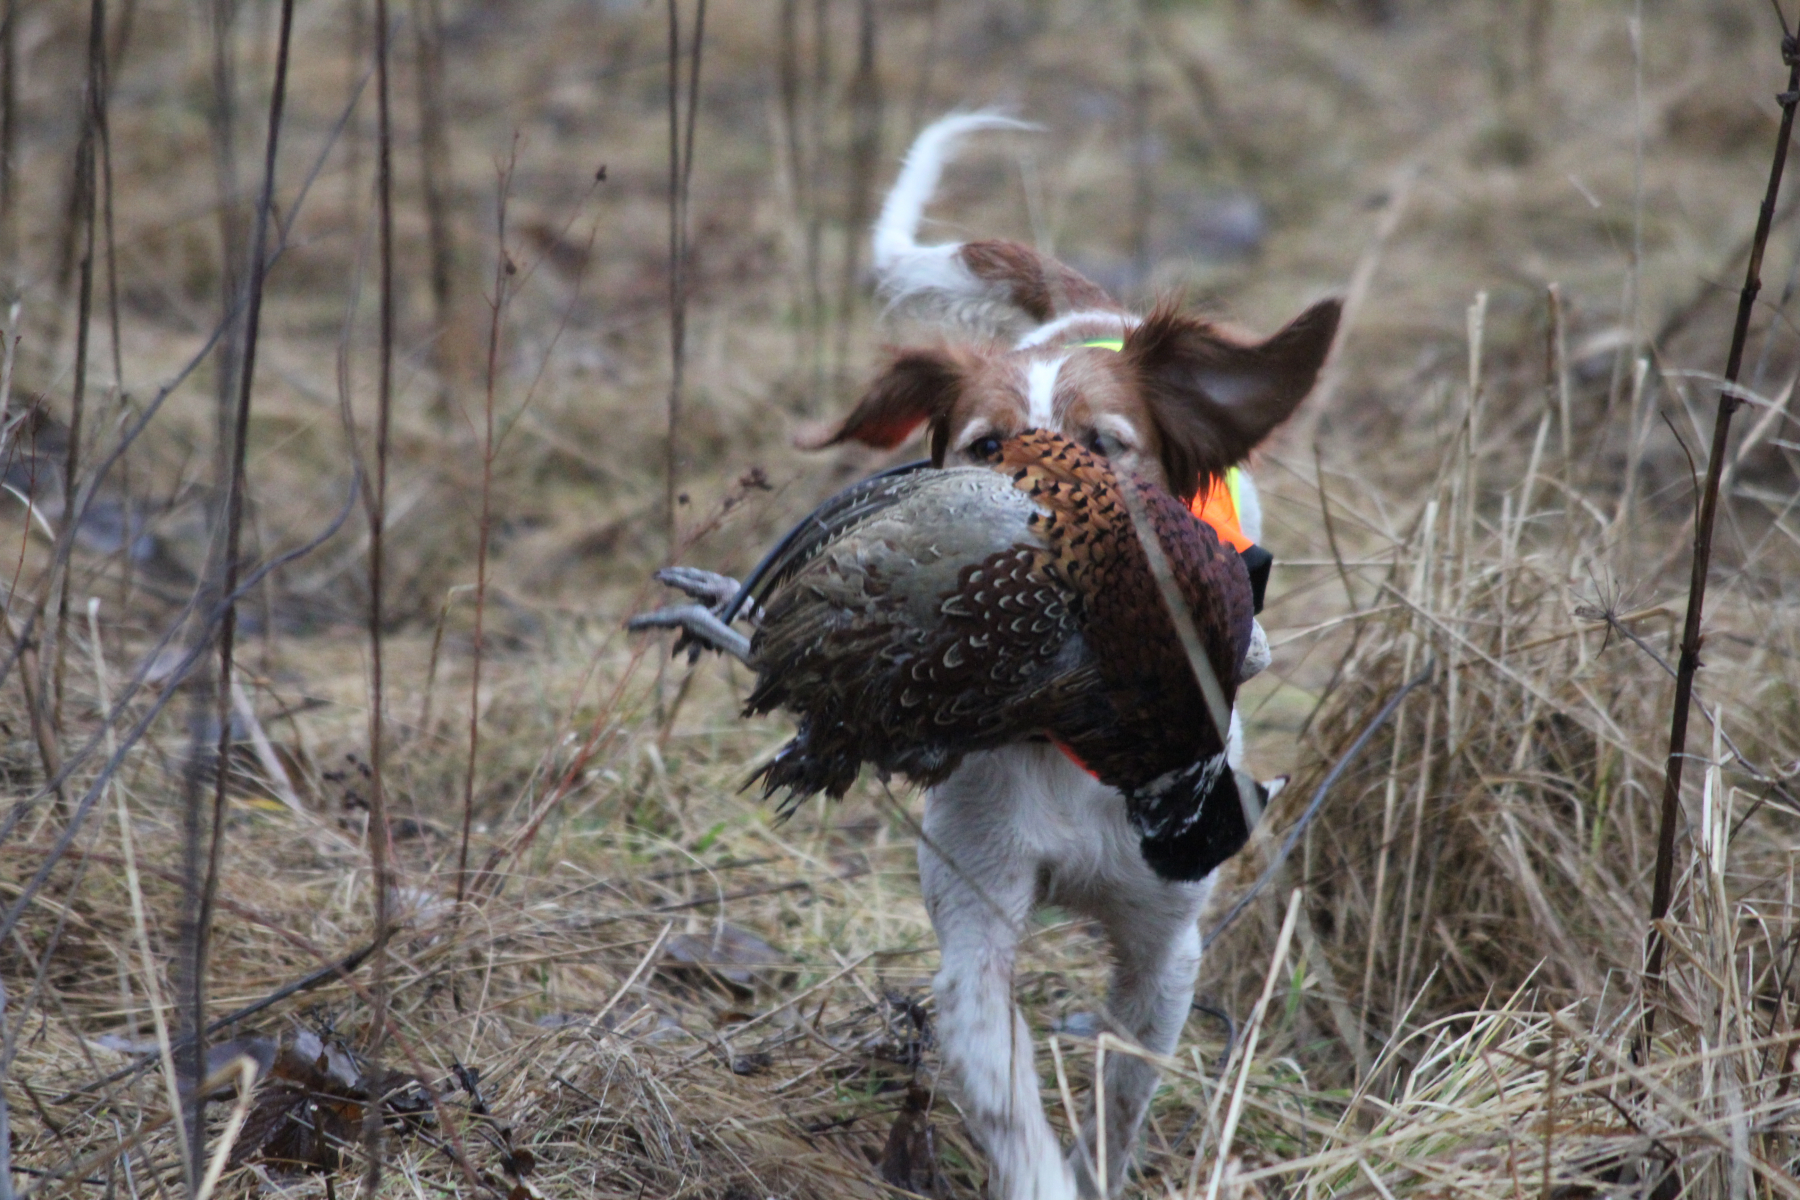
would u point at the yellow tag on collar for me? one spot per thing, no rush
(1104, 344)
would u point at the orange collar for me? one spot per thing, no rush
(1217, 506)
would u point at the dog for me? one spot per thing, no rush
(1168, 397)
(1171, 399)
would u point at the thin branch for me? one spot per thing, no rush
(503, 270)
(102, 126)
(378, 827)
(222, 118)
(116, 339)
(681, 168)
(6, 1166)
(9, 145)
(86, 173)
(1663, 886)
(434, 179)
(864, 161)
(234, 522)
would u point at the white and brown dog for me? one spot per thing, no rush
(1168, 397)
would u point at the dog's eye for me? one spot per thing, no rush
(985, 447)
(1103, 444)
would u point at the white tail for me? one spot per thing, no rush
(897, 229)
(932, 280)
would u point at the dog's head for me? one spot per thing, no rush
(1177, 402)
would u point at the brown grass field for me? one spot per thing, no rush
(642, 984)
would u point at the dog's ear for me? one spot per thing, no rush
(1214, 398)
(918, 386)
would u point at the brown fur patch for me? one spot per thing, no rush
(1038, 286)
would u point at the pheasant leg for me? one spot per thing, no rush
(700, 629)
(702, 625)
(709, 587)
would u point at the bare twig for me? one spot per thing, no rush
(103, 70)
(6, 1167)
(234, 522)
(1662, 888)
(87, 175)
(681, 167)
(1143, 184)
(102, 99)
(1556, 370)
(817, 118)
(222, 117)
(9, 144)
(434, 179)
(791, 89)
(378, 827)
(503, 270)
(865, 153)
(1331, 537)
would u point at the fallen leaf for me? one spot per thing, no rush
(910, 1159)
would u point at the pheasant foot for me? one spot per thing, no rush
(700, 629)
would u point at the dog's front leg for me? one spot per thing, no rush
(979, 880)
(1156, 953)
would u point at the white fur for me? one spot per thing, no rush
(1121, 429)
(971, 431)
(1257, 657)
(897, 229)
(1040, 391)
(1249, 506)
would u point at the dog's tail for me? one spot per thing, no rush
(897, 230)
(986, 284)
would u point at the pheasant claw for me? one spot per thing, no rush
(700, 630)
(709, 587)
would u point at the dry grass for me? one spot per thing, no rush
(662, 992)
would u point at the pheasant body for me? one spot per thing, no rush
(918, 618)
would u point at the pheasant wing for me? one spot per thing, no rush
(815, 531)
(937, 625)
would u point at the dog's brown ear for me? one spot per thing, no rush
(1213, 398)
(918, 386)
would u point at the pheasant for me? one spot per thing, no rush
(929, 613)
